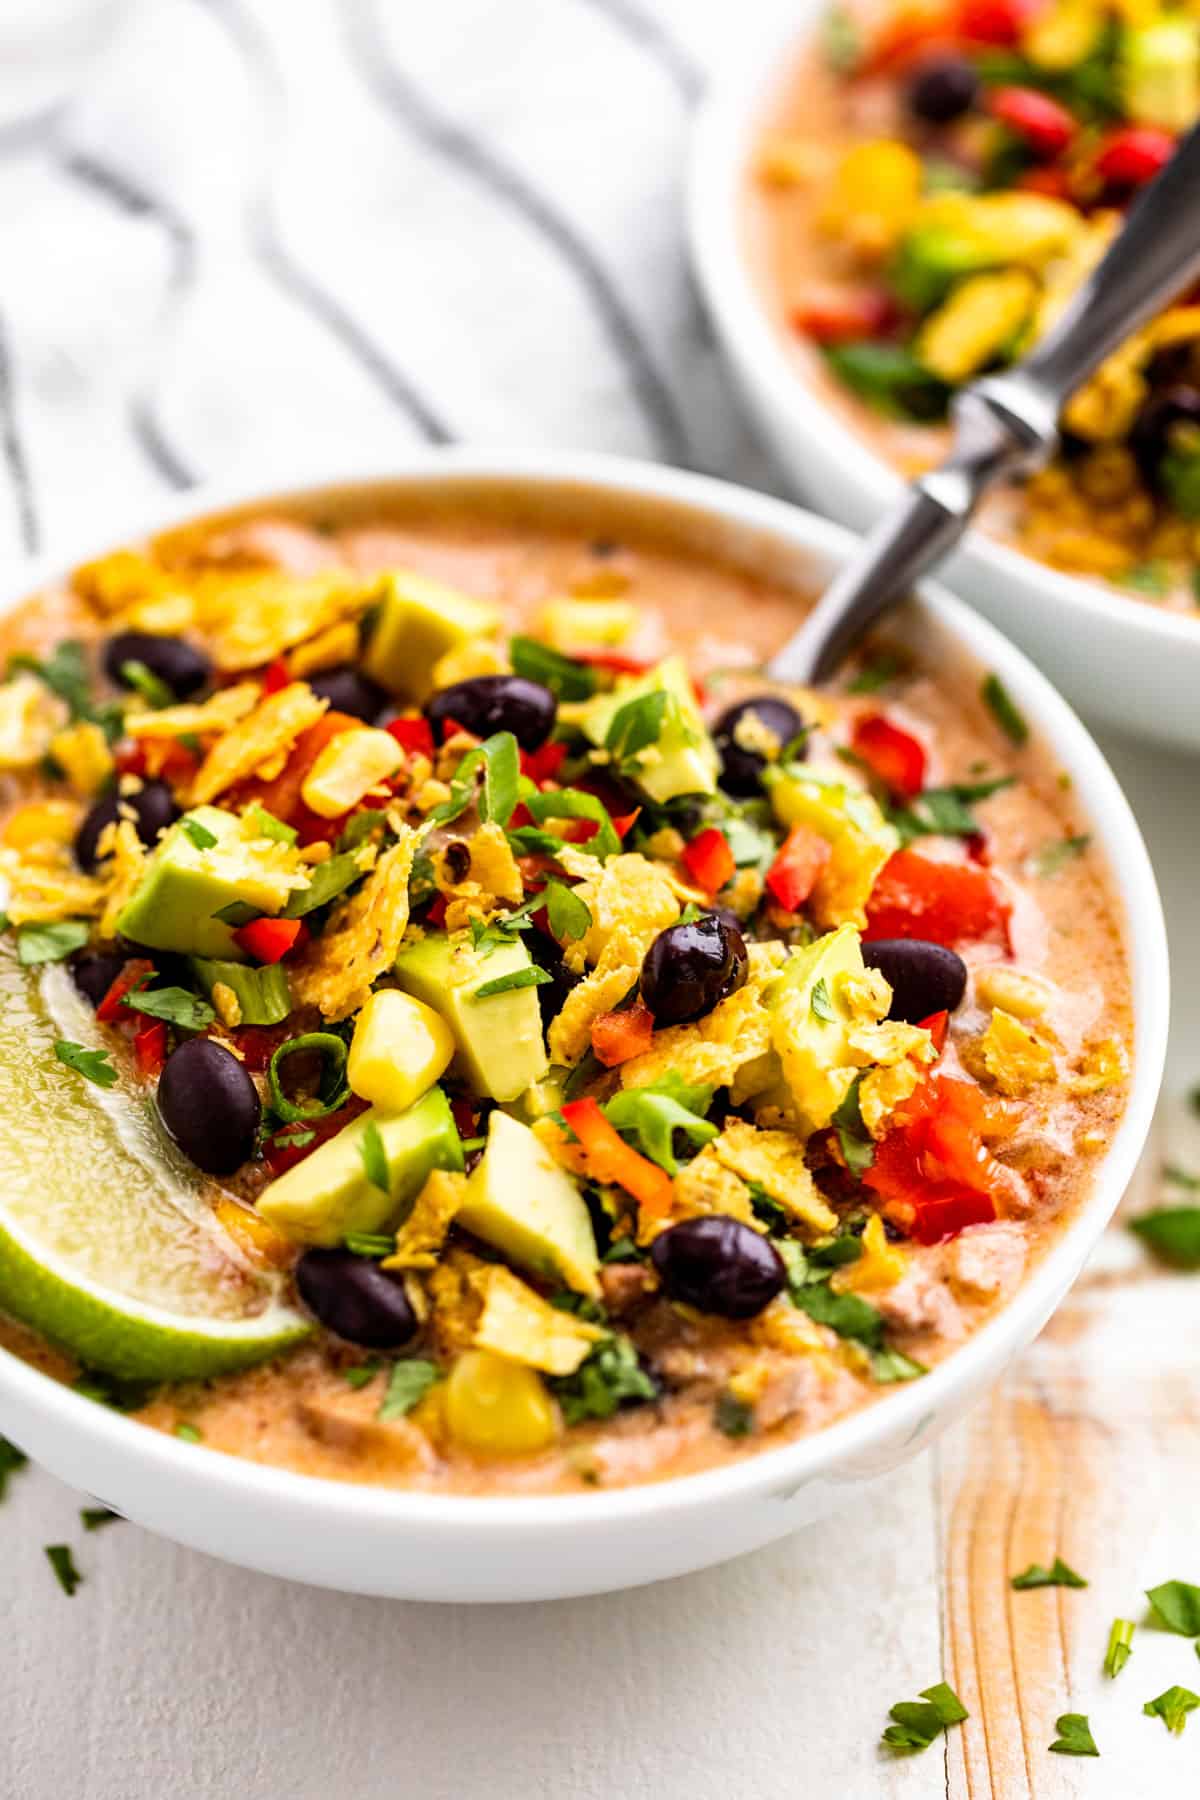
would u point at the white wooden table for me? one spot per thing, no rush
(204, 276)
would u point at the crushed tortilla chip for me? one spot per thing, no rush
(29, 717)
(628, 893)
(492, 881)
(125, 581)
(775, 1160)
(889, 1042)
(264, 734)
(706, 1185)
(882, 1090)
(328, 650)
(206, 718)
(618, 970)
(419, 1240)
(123, 847)
(455, 1306)
(517, 1323)
(1102, 1066)
(82, 753)
(722, 1049)
(1013, 1056)
(41, 893)
(882, 1264)
(478, 656)
(252, 616)
(335, 971)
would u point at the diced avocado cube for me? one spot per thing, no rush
(683, 758)
(263, 995)
(1160, 72)
(500, 1049)
(399, 1049)
(810, 1038)
(581, 623)
(207, 861)
(329, 1194)
(850, 821)
(980, 321)
(417, 621)
(525, 1205)
(931, 259)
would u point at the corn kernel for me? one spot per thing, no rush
(1025, 996)
(498, 1408)
(581, 624)
(261, 1242)
(874, 195)
(400, 1047)
(83, 755)
(349, 766)
(42, 822)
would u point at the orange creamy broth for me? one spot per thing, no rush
(300, 1413)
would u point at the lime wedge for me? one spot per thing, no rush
(108, 1245)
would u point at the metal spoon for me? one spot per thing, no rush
(1007, 424)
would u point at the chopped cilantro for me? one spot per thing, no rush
(1176, 1607)
(374, 1158)
(622, 1250)
(64, 672)
(841, 40)
(1173, 1707)
(1172, 1233)
(516, 978)
(1074, 1736)
(144, 681)
(267, 825)
(820, 1004)
(239, 912)
(945, 811)
(1054, 857)
(93, 1065)
(199, 834)
(888, 1366)
(191, 1434)
(11, 1459)
(1151, 578)
(918, 1722)
(566, 679)
(1003, 709)
(654, 1117)
(176, 1005)
(95, 1518)
(875, 673)
(50, 943)
(848, 1315)
(1181, 1178)
(369, 1243)
(362, 1373)
(122, 1393)
(573, 803)
(490, 776)
(410, 1380)
(857, 1145)
(889, 378)
(63, 1564)
(1057, 1575)
(734, 1417)
(638, 724)
(570, 917)
(1120, 1647)
(610, 1377)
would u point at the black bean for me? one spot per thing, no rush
(176, 663)
(718, 1265)
(690, 967)
(94, 972)
(209, 1105)
(924, 978)
(352, 1296)
(942, 90)
(741, 766)
(153, 807)
(546, 952)
(489, 703)
(1155, 425)
(348, 690)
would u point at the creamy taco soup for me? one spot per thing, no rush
(465, 1031)
(934, 181)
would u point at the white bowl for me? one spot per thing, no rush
(418, 1546)
(1121, 660)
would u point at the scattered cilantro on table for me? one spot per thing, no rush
(63, 1564)
(1173, 1707)
(916, 1723)
(1120, 1647)
(1057, 1575)
(1074, 1736)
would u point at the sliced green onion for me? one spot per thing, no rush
(333, 1091)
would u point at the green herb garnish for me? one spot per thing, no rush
(1173, 1707)
(332, 1092)
(1176, 1607)
(1057, 1575)
(638, 724)
(268, 826)
(890, 379)
(362, 1373)
(369, 1243)
(409, 1382)
(95, 1518)
(857, 1145)
(1074, 1736)
(191, 1434)
(1053, 857)
(490, 776)
(93, 1065)
(945, 811)
(1120, 1647)
(50, 943)
(841, 40)
(199, 834)
(374, 1159)
(605, 1380)
(1172, 1233)
(655, 1117)
(888, 1366)
(516, 978)
(572, 803)
(178, 1006)
(11, 1459)
(566, 678)
(820, 1005)
(875, 673)
(1003, 709)
(569, 917)
(919, 1722)
(144, 681)
(734, 1417)
(63, 1564)
(1150, 578)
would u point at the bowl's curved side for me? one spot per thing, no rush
(1121, 659)
(429, 1547)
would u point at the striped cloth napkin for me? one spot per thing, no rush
(276, 236)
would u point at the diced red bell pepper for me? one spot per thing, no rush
(623, 823)
(268, 940)
(709, 860)
(154, 757)
(934, 1168)
(798, 863)
(616, 1036)
(1040, 122)
(281, 1153)
(1054, 183)
(257, 1044)
(150, 1048)
(895, 756)
(436, 916)
(414, 736)
(619, 661)
(544, 764)
(948, 903)
(276, 676)
(1133, 155)
(995, 21)
(937, 1025)
(131, 975)
(465, 1116)
(610, 1159)
(845, 315)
